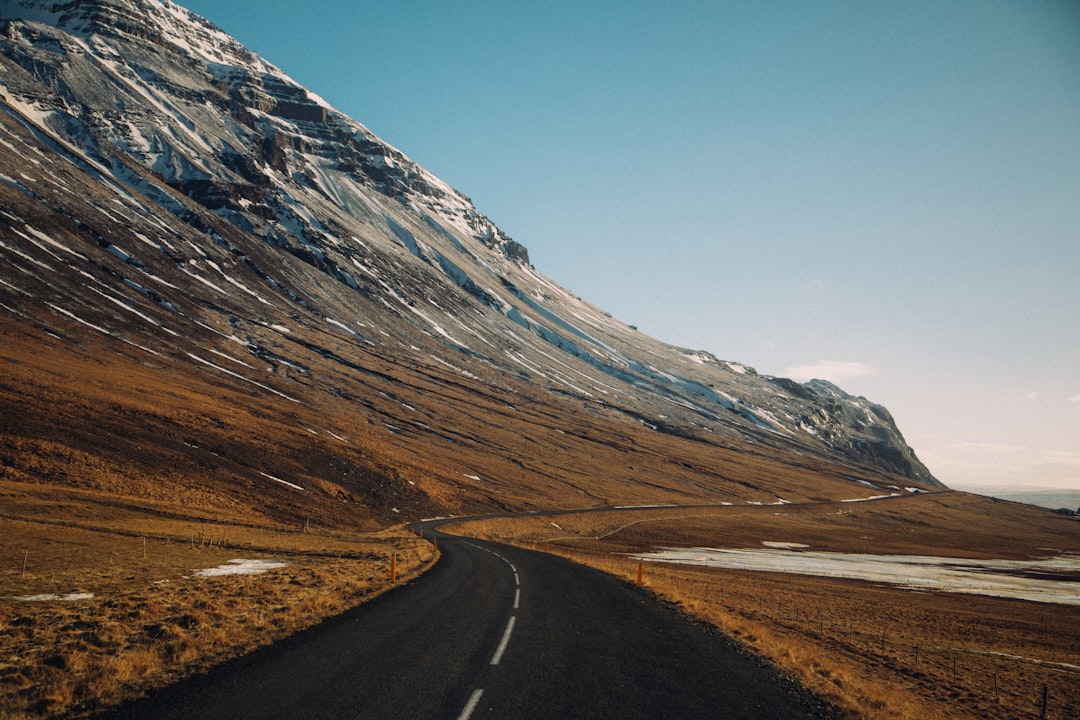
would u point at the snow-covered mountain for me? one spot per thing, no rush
(167, 191)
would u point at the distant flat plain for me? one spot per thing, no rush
(1049, 498)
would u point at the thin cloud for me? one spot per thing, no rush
(1075, 399)
(986, 447)
(1061, 457)
(830, 370)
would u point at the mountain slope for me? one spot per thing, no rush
(179, 211)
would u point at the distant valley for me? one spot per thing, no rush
(1047, 498)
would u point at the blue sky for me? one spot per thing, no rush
(886, 195)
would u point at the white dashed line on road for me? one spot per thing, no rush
(504, 642)
(470, 706)
(474, 699)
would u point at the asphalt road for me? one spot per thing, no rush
(493, 631)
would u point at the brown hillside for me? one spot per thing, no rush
(108, 418)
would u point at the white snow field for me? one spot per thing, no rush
(1022, 579)
(241, 566)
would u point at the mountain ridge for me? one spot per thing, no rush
(306, 256)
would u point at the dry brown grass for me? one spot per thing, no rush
(880, 652)
(381, 433)
(151, 620)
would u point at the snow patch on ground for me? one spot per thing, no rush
(239, 376)
(1019, 579)
(283, 482)
(47, 597)
(240, 566)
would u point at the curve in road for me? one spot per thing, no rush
(494, 631)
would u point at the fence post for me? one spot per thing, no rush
(1045, 702)
(639, 567)
(393, 567)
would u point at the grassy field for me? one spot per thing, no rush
(878, 651)
(102, 598)
(105, 602)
